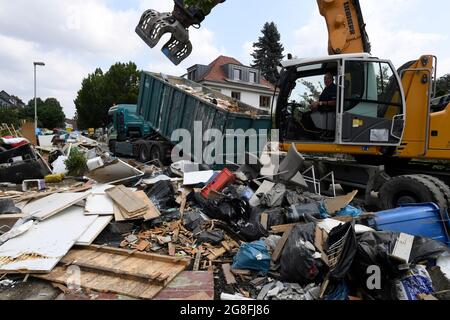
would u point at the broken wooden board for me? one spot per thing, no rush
(264, 220)
(334, 205)
(136, 275)
(191, 286)
(280, 246)
(94, 230)
(127, 200)
(229, 277)
(216, 253)
(49, 206)
(150, 213)
(172, 249)
(283, 228)
(41, 248)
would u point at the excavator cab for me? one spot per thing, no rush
(367, 109)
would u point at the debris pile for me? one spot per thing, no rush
(135, 229)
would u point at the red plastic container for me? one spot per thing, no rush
(219, 183)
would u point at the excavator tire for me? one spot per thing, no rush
(410, 189)
(445, 189)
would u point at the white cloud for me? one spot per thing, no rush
(73, 38)
(389, 36)
(247, 51)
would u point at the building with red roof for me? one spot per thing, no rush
(232, 78)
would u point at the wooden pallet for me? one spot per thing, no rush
(110, 270)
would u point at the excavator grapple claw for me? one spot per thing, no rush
(153, 25)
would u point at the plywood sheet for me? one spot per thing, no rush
(89, 236)
(49, 206)
(29, 132)
(136, 275)
(43, 246)
(151, 213)
(127, 200)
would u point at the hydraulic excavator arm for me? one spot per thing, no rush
(346, 26)
(345, 22)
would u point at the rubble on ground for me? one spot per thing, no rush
(260, 237)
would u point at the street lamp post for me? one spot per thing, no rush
(41, 64)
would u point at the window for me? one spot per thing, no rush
(264, 101)
(252, 77)
(192, 75)
(236, 95)
(300, 116)
(371, 90)
(237, 74)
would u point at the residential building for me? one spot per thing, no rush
(232, 78)
(7, 100)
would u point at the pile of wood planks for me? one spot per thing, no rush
(130, 205)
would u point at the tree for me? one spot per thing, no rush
(443, 86)
(90, 101)
(268, 52)
(100, 91)
(312, 93)
(50, 113)
(9, 116)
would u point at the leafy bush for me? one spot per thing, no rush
(76, 163)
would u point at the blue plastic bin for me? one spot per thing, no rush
(421, 220)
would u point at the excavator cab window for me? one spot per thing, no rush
(302, 88)
(373, 104)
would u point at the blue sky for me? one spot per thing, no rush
(75, 36)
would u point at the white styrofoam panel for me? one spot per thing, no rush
(46, 207)
(50, 240)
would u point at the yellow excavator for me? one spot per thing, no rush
(399, 142)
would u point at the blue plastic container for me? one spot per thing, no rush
(421, 220)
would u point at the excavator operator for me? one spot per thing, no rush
(327, 100)
(323, 112)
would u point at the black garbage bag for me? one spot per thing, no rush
(374, 249)
(303, 212)
(277, 217)
(192, 221)
(227, 209)
(166, 216)
(425, 249)
(214, 237)
(162, 195)
(297, 261)
(342, 240)
(252, 229)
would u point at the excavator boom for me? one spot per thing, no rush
(346, 26)
(345, 22)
